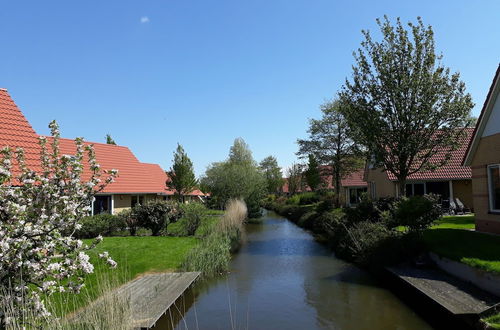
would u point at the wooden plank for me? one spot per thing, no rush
(457, 296)
(150, 296)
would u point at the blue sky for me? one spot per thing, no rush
(153, 73)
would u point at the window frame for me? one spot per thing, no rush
(490, 187)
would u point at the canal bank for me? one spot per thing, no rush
(283, 279)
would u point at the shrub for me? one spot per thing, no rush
(101, 224)
(155, 215)
(330, 223)
(192, 214)
(308, 198)
(361, 240)
(293, 200)
(416, 212)
(129, 220)
(307, 219)
(365, 210)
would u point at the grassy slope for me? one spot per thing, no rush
(134, 255)
(469, 247)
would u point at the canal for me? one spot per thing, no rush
(283, 279)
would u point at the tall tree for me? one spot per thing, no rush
(312, 174)
(294, 178)
(331, 144)
(237, 177)
(109, 140)
(402, 103)
(272, 173)
(181, 174)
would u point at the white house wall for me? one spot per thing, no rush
(493, 124)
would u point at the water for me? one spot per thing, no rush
(283, 279)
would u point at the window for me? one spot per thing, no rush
(494, 187)
(355, 195)
(415, 189)
(137, 200)
(102, 204)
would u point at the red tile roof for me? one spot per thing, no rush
(453, 168)
(16, 131)
(133, 176)
(355, 179)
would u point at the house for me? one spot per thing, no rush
(353, 186)
(483, 156)
(136, 182)
(450, 181)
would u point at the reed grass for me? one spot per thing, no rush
(213, 255)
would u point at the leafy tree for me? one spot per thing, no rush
(272, 173)
(181, 175)
(109, 140)
(39, 214)
(239, 177)
(156, 215)
(294, 179)
(331, 144)
(312, 174)
(402, 103)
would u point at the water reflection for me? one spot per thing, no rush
(283, 279)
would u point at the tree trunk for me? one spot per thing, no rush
(337, 189)
(402, 187)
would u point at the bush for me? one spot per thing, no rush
(361, 240)
(308, 198)
(130, 221)
(155, 215)
(365, 210)
(101, 224)
(307, 220)
(192, 214)
(416, 212)
(293, 200)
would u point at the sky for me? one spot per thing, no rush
(155, 73)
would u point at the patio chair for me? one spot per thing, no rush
(464, 209)
(453, 207)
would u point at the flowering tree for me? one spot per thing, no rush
(39, 213)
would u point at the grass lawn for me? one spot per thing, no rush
(472, 248)
(455, 222)
(134, 255)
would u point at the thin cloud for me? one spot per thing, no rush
(144, 19)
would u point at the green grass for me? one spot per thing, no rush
(455, 222)
(134, 255)
(472, 248)
(493, 321)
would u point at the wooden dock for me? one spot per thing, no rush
(456, 296)
(150, 296)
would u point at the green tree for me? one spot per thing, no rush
(272, 173)
(238, 177)
(312, 174)
(402, 103)
(181, 174)
(330, 142)
(109, 140)
(294, 178)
